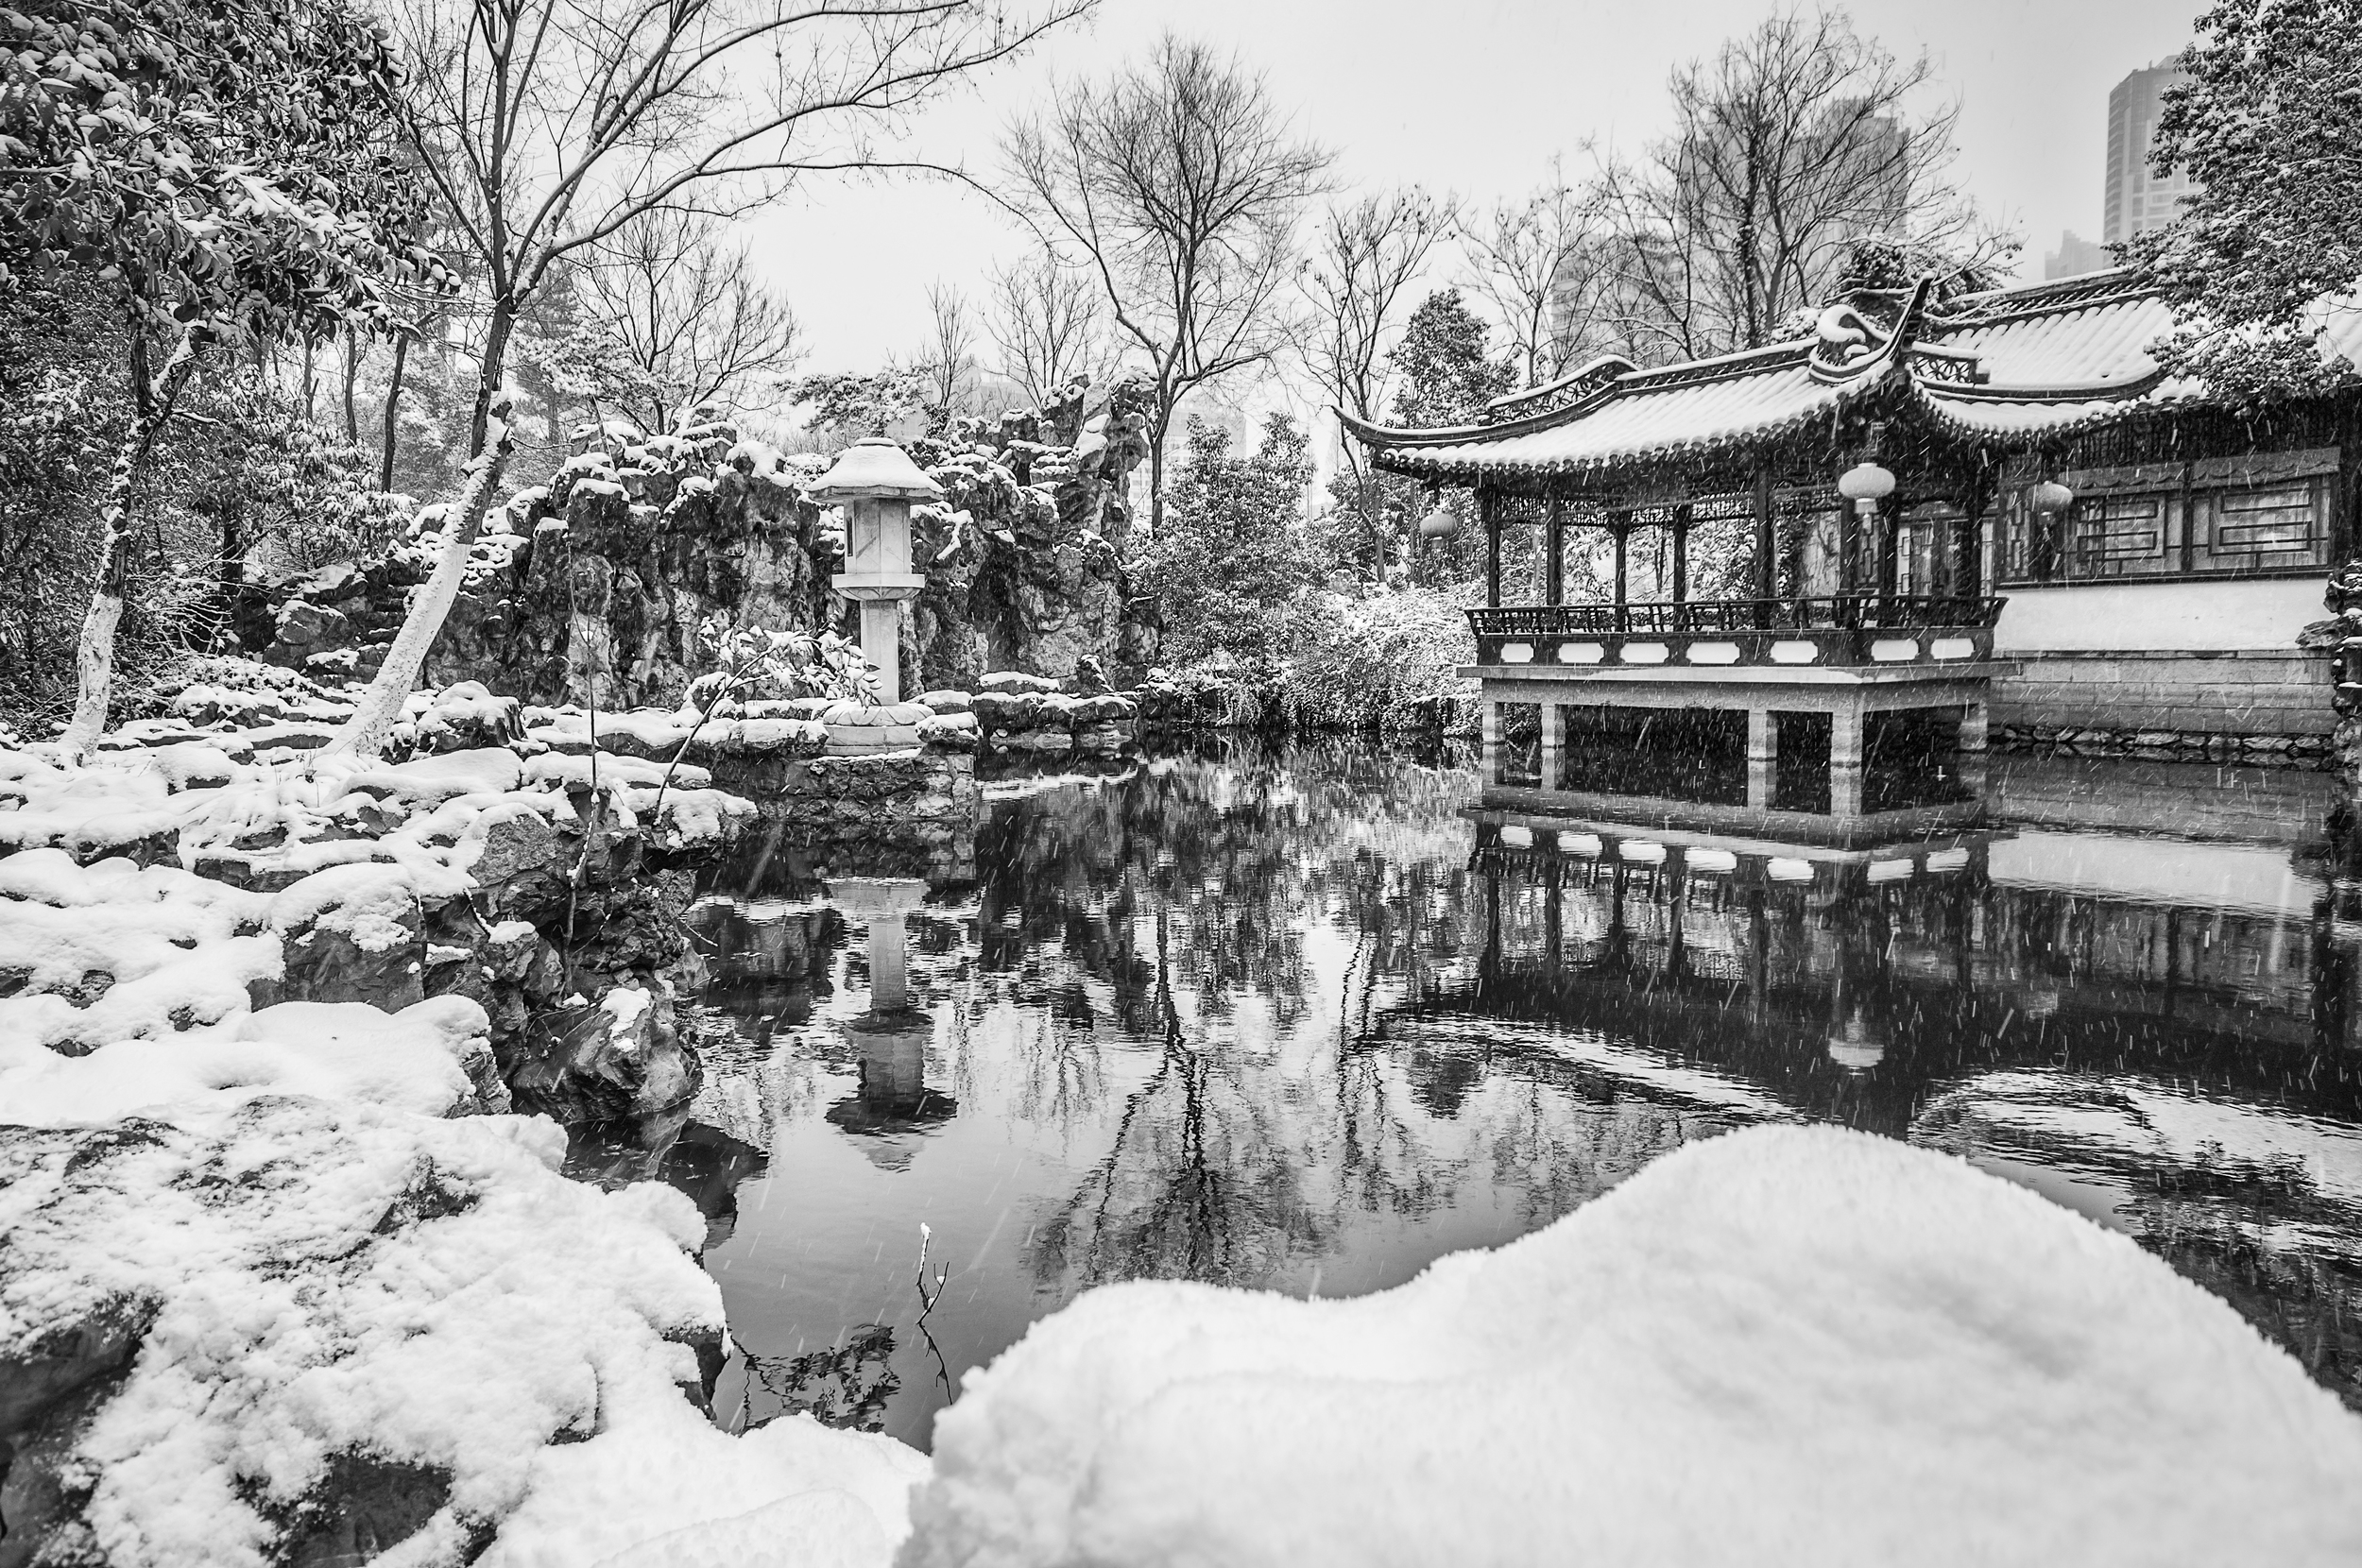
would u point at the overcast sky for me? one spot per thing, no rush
(1471, 95)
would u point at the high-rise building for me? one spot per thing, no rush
(2137, 200)
(2075, 255)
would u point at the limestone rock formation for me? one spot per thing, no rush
(591, 586)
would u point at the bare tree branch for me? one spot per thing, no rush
(1790, 144)
(1044, 318)
(1178, 184)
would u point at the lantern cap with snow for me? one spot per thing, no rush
(2049, 497)
(875, 482)
(1865, 485)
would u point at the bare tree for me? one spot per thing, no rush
(548, 125)
(1788, 145)
(948, 359)
(1364, 256)
(1179, 184)
(1544, 265)
(687, 318)
(1044, 318)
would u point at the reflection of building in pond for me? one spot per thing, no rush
(2160, 1035)
(2028, 938)
(892, 1036)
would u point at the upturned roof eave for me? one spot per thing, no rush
(1737, 445)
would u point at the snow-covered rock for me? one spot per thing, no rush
(291, 1291)
(292, 1331)
(1789, 1345)
(433, 1057)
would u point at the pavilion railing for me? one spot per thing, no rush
(1823, 630)
(1814, 612)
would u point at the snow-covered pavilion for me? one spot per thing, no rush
(1923, 506)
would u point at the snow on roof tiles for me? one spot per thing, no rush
(1653, 413)
(2046, 360)
(2098, 346)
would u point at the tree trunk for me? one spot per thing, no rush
(393, 403)
(365, 734)
(352, 369)
(494, 364)
(95, 654)
(1157, 476)
(1749, 259)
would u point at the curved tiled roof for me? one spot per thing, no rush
(2015, 366)
(1648, 416)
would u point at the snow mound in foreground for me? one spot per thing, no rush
(286, 1331)
(1785, 1345)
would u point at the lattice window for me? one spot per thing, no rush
(2272, 525)
(2121, 536)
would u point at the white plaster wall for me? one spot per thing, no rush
(2261, 613)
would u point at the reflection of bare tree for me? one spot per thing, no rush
(1556, 1162)
(1063, 1077)
(1196, 1183)
(1383, 1165)
(845, 1387)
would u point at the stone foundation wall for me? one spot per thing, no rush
(900, 809)
(2252, 707)
(2243, 694)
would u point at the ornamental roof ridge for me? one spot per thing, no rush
(2054, 296)
(1594, 372)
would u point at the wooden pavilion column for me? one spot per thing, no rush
(1489, 511)
(1766, 561)
(1968, 540)
(1890, 515)
(1849, 572)
(1621, 523)
(1681, 554)
(1554, 555)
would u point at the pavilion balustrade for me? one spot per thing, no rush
(1697, 617)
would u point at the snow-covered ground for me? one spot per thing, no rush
(284, 1282)
(1785, 1345)
(281, 1282)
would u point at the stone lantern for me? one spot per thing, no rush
(875, 483)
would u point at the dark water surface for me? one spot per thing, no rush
(1305, 1018)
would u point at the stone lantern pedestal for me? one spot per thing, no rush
(875, 483)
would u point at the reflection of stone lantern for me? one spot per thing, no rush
(875, 483)
(892, 1036)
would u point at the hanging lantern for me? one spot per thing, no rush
(1865, 485)
(1855, 1049)
(2049, 498)
(1441, 522)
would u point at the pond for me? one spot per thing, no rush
(1304, 1018)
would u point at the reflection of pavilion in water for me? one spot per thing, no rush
(2158, 1033)
(1917, 958)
